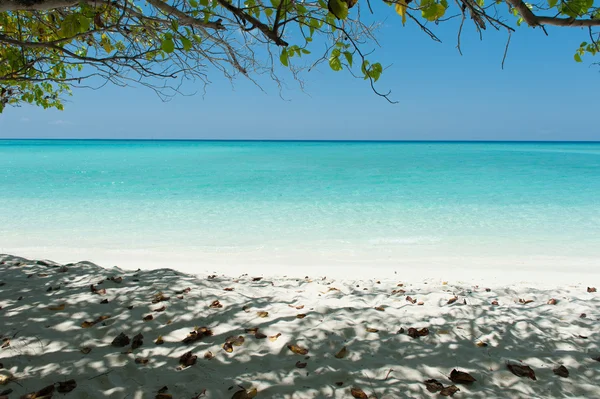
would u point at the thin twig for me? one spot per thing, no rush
(100, 375)
(506, 48)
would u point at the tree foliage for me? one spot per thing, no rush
(47, 47)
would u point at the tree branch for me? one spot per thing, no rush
(534, 20)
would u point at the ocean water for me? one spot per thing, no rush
(300, 202)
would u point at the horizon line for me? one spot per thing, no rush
(298, 140)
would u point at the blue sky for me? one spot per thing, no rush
(541, 94)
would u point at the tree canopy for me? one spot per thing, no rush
(48, 47)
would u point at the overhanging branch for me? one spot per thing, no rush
(533, 20)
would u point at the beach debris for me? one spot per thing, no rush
(414, 333)
(358, 393)
(161, 309)
(342, 353)
(85, 350)
(187, 359)
(399, 292)
(481, 344)
(159, 340)
(184, 291)
(552, 301)
(273, 338)
(104, 301)
(44, 393)
(495, 303)
(137, 341)
(141, 360)
(63, 269)
(57, 308)
(561, 371)
(582, 316)
(433, 385)
(300, 365)
(160, 297)
(298, 350)
(228, 289)
(591, 289)
(115, 279)
(148, 317)
(162, 393)
(301, 315)
(199, 395)
(452, 300)
(260, 335)
(88, 324)
(6, 343)
(245, 394)
(246, 308)
(521, 370)
(257, 278)
(208, 355)
(130, 307)
(6, 378)
(262, 314)
(409, 299)
(121, 340)
(232, 341)
(380, 308)
(94, 290)
(372, 330)
(488, 290)
(420, 303)
(525, 301)
(449, 390)
(215, 304)
(197, 334)
(299, 307)
(400, 331)
(461, 377)
(252, 330)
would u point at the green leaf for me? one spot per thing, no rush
(186, 43)
(339, 8)
(576, 8)
(577, 57)
(552, 3)
(335, 64)
(194, 3)
(348, 56)
(204, 3)
(431, 10)
(268, 12)
(168, 45)
(284, 58)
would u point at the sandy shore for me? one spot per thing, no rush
(59, 323)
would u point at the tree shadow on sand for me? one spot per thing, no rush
(44, 342)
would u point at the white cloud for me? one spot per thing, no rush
(60, 122)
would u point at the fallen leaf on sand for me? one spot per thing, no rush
(215, 305)
(339, 383)
(582, 316)
(44, 393)
(300, 315)
(104, 301)
(481, 344)
(452, 300)
(161, 309)
(163, 395)
(228, 289)
(495, 303)
(148, 318)
(159, 340)
(525, 301)
(342, 353)
(115, 279)
(301, 365)
(521, 370)
(232, 341)
(85, 350)
(372, 330)
(260, 335)
(67, 386)
(187, 359)
(358, 393)
(138, 341)
(298, 350)
(184, 291)
(414, 333)
(5, 379)
(420, 303)
(245, 394)
(262, 314)
(246, 308)
(160, 297)
(252, 330)
(380, 308)
(88, 324)
(409, 299)
(141, 360)
(273, 338)
(163, 389)
(57, 308)
(433, 385)
(121, 340)
(208, 355)
(6, 343)
(257, 278)
(443, 332)
(552, 301)
(561, 371)
(300, 307)
(460, 377)
(197, 334)
(591, 289)
(94, 290)
(449, 390)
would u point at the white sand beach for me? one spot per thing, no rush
(59, 322)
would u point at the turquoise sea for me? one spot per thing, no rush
(283, 201)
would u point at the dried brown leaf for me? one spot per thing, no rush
(215, 305)
(262, 314)
(591, 289)
(552, 301)
(66, 386)
(257, 278)
(411, 300)
(495, 303)
(298, 350)
(301, 365)
(300, 315)
(358, 393)
(57, 308)
(159, 340)
(380, 308)
(161, 309)
(433, 385)
(137, 341)
(525, 301)
(160, 297)
(197, 334)
(121, 340)
(208, 355)
(228, 289)
(521, 370)
(141, 360)
(187, 359)
(460, 377)
(260, 335)
(371, 330)
(561, 371)
(414, 333)
(449, 390)
(342, 353)
(273, 338)
(85, 350)
(245, 394)
(148, 318)
(452, 300)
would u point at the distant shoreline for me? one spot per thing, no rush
(313, 141)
